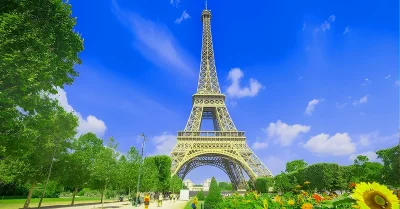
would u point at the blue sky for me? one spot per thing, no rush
(312, 80)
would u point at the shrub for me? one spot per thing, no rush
(213, 196)
(263, 184)
(200, 195)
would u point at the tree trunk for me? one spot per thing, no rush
(102, 193)
(129, 193)
(73, 196)
(28, 199)
(105, 189)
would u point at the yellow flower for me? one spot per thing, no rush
(307, 206)
(290, 202)
(307, 182)
(355, 206)
(265, 204)
(277, 198)
(374, 196)
(298, 186)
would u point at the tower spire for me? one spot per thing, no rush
(208, 81)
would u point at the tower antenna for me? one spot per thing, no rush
(206, 4)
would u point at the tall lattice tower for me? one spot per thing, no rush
(225, 147)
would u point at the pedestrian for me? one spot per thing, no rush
(146, 200)
(194, 204)
(160, 198)
(156, 199)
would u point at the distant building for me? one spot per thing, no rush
(192, 187)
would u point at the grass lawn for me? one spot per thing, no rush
(189, 204)
(19, 203)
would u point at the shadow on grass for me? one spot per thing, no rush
(83, 204)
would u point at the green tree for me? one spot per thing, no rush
(163, 164)
(295, 165)
(176, 184)
(263, 184)
(391, 165)
(75, 168)
(39, 49)
(104, 171)
(226, 186)
(149, 178)
(48, 136)
(213, 196)
(134, 163)
(282, 183)
(200, 195)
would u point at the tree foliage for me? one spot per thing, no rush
(295, 165)
(163, 164)
(263, 184)
(213, 196)
(200, 195)
(38, 50)
(176, 184)
(391, 165)
(225, 186)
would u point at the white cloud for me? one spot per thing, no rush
(164, 143)
(300, 78)
(90, 124)
(175, 2)
(184, 16)
(339, 144)
(366, 82)
(375, 139)
(304, 26)
(326, 25)
(156, 42)
(340, 106)
(285, 134)
(346, 30)
(388, 76)
(259, 145)
(362, 100)
(370, 154)
(311, 106)
(234, 90)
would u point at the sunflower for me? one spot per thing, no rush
(374, 196)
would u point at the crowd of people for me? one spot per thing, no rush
(157, 197)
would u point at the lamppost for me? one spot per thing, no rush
(140, 169)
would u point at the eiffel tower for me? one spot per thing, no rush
(225, 147)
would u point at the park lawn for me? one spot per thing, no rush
(19, 203)
(189, 204)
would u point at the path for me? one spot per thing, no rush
(127, 205)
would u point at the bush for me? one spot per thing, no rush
(200, 195)
(214, 196)
(53, 190)
(263, 184)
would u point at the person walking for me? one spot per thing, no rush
(160, 198)
(194, 204)
(146, 200)
(156, 199)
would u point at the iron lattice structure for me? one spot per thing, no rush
(225, 147)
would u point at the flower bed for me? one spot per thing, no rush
(363, 196)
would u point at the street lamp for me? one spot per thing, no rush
(140, 168)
